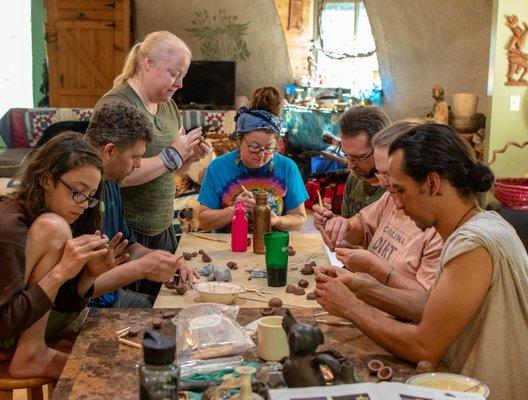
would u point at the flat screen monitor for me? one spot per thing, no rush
(208, 85)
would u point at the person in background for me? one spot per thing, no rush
(52, 253)
(476, 317)
(120, 134)
(153, 71)
(357, 126)
(254, 167)
(396, 262)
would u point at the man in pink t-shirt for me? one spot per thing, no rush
(395, 261)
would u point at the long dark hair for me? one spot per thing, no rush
(437, 148)
(63, 153)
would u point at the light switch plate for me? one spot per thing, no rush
(515, 102)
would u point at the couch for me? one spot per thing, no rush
(21, 129)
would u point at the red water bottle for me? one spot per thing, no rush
(239, 229)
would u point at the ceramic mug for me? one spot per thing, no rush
(272, 341)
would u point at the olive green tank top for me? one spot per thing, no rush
(149, 208)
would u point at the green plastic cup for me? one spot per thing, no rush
(276, 257)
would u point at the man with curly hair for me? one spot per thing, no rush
(120, 134)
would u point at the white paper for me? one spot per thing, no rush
(332, 257)
(369, 391)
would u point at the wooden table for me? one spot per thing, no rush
(308, 247)
(100, 368)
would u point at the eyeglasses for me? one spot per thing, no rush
(80, 198)
(382, 176)
(255, 149)
(359, 158)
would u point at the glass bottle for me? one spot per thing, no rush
(158, 374)
(261, 222)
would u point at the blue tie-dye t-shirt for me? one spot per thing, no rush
(280, 177)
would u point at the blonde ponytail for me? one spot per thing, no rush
(130, 66)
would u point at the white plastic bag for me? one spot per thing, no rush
(209, 330)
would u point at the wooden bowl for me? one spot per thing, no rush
(219, 292)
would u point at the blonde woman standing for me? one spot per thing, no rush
(153, 71)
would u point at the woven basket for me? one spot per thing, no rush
(512, 192)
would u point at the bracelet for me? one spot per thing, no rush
(171, 158)
(388, 276)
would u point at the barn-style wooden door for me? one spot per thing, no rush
(87, 42)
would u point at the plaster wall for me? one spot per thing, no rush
(423, 42)
(266, 61)
(507, 125)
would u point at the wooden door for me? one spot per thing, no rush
(87, 42)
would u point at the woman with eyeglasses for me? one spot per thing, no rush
(254, 167)
(52, 252)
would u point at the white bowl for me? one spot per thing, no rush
(447, 381)
(219, 292)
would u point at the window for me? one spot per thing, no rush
(16, 84)
(343, 32)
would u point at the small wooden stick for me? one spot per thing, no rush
(120, 331)
(130, 343)
(123, 334)
(206, 237)
(265, 301)
(319, 199)
(320, 314)
(338, 323)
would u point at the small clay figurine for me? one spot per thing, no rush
(301, 367)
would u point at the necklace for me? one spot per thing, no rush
(464, 216)
(157, 122)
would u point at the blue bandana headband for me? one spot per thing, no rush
(248, 120)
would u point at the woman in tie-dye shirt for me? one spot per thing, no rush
(254, 167)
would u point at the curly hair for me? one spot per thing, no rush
(437, 148)
(360, 119)
(119, 123)
(62, 154)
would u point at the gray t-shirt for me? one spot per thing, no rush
(493, 346)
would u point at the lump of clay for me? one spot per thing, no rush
(313, 263)
(267, 311)
(206, 258)
(307, 270)
(303, 283)
(291, 251)
(275, 302)
(231, 265)
(194, 253)
(187, 256)
(290, 288)
(311, 296)
(299, 291)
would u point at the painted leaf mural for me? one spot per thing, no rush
(220, 35)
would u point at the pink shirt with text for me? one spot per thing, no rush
(395, 238)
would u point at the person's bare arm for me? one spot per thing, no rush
(457, 296)
(293, 220)
(211, 219)
(153, 167)
(407, 304)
